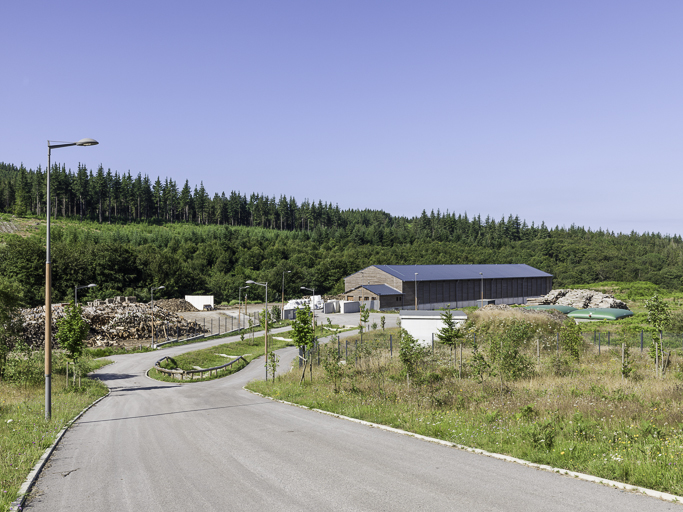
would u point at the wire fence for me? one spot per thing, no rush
(354, 349)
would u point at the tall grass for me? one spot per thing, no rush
(578, 416)
(24, 433)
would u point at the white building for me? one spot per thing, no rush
(422, 325)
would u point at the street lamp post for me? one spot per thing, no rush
(416, 291)
(283, 292)
(48, 277)
(265, 335)
(482, 288)
(152, 291)
(76, 288)
(239, 306)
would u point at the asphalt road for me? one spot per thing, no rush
(208, 446)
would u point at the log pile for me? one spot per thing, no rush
(111, 324)
(580, 299)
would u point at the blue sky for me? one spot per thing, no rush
(563, 112)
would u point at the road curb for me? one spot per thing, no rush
(579, 476)
(18, 503)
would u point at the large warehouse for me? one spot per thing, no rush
(438, 286)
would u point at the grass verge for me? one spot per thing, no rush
(24, 433)
(585, 419)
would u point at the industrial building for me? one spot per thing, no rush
(441, 286)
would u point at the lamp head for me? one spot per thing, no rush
(91, 285)
(250, 282)
(87, 142)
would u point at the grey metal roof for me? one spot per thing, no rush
(449, 272)
(381, 289)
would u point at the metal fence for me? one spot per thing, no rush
(641, 340)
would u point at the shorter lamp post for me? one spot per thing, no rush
(415, 291)
(76, 288)
(265, 335)
(482, 288)
(283, 292)
(239, 306)
(312, 290)
(152, 291)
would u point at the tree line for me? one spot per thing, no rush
(126, 238)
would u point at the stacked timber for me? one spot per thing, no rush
(113, 323)
(580, 299)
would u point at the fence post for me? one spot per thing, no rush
(347, 350)
(538, 350)
(338, 347)
(391, 346)
(432, 343)
(622, 361)
(641, 341)
(460, 372)
(356, 351)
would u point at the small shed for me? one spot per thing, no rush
(377, 296)
(199, 301)
(423, 325)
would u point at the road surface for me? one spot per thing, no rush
(213, 446)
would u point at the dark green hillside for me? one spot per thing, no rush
(128, 233)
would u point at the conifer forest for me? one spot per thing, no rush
(128, 233)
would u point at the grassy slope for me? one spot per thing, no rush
(24, 433)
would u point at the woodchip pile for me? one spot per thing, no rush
(175, 305)
(504, 307)
(112, 323)
(580, 299)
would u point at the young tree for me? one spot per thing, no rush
(658, 316)
(410, 353)
(72, 330)
(303, 333)
(364, 314)
(10, 321)
(572, 341)
(451, 333)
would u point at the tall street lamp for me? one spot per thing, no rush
(152, 290)
(312, 290)
(48, 278)
(76, 288)
(283, 291)
(416, 291)
(239, 306)
(266, 330)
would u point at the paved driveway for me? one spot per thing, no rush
(209, 446)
